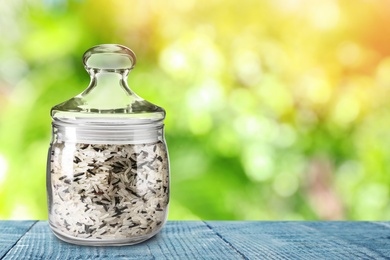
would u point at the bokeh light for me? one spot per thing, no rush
(275, 109)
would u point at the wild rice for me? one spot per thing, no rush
(107, 191)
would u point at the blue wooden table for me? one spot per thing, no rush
(212, 240)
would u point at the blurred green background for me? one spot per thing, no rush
(276, 109)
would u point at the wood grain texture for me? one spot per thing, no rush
(11, 232)
(306, 240)
(177, 240)
(212, 240)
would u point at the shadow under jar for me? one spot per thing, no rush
(108, 166)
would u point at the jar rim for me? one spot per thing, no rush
(108, 133)
(107, 122)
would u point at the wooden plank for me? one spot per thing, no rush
(305, 240)
(372, 238)
(177, 240)
(212, 240)
(11, 232)
(191, 240)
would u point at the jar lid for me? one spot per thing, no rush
(108, 100)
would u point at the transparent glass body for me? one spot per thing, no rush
(108, 166)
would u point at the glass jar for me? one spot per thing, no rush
(108, 167)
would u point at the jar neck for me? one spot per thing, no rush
(108, 89)
(104, 77)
